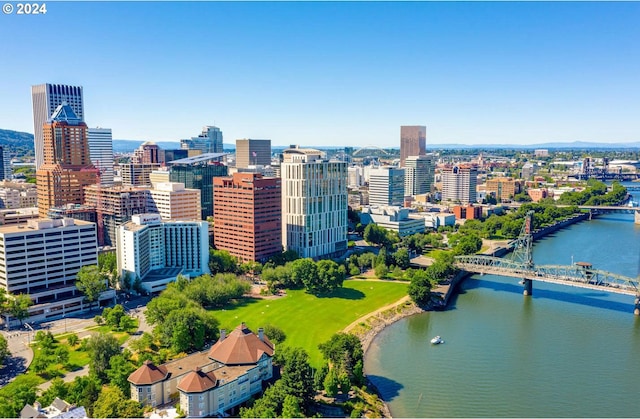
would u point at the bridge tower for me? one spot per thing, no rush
(522, 250)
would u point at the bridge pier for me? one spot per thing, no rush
(636, 217)
(636, 309)
(528, 287)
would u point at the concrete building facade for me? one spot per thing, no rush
(147, 244)
(459, 184)
(314, 203)
(419, 174)
(386, 186)
(248, 216)
(174, 202)
(42, 259)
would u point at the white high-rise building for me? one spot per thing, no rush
(101, 153)
(459, 184)
(42, 259)
(419, 173)
(355, 176)
(174, 202)
(46, 98)
(386, 186)
(157, 251)
(314, 203)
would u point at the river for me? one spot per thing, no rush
(565, 352)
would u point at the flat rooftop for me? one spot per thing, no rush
(160, 274)
(198, 159)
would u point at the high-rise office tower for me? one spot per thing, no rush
(248, 216)
(314, 203)
(459, 184)
(46, 98)
(66, 168)
(198, 173)
(101, 153)
(209, 141)
(413, 141)
(386, 186)
(419, 172)
(253, 153)
(5, 164)
(148, 153)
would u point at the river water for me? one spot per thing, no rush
(565, 352)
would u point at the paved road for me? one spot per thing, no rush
(22, 354)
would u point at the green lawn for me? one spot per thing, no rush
(308, 320)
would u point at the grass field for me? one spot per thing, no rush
(308, 320)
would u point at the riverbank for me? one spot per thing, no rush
(368, 327)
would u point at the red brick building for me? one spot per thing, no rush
(247, 216)
(467, 212)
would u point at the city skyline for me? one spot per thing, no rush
(339, 73)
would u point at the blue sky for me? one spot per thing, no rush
(335, 73)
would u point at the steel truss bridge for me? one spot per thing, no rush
(521, 265)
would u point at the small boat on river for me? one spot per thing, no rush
(437, 340)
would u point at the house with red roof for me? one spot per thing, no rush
(210, 382)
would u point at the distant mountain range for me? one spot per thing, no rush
(17, 139)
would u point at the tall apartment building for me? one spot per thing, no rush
(148, 152)
(503, 188)
(42, 259)
(314, 203)
(174, 202)
(137, 174)
(248, 216)
(198, 173)
(413, 141)
(5, 164)
(355, 176)
(66, 168)
(158, 251)
(15, 195)
(101, 153)
(46, 98)
(114, 206)
(459, 184)
(251, 152)
(386, 186)
(419, 174)
(209, 141)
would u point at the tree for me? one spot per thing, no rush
(72, 339)
(274, 333)
(119, 370)
(297, 376)
(91, 282)
(420, 287)
(4, 349)
(331, 383)
(58, 388)
(19, 306)
(291, 407)
(112, 403)
(401, 258)
(221, 261)
(343, 351)
(304, 272)
(102, 347)
(84, 391)
(329, 276)
(381, 270)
